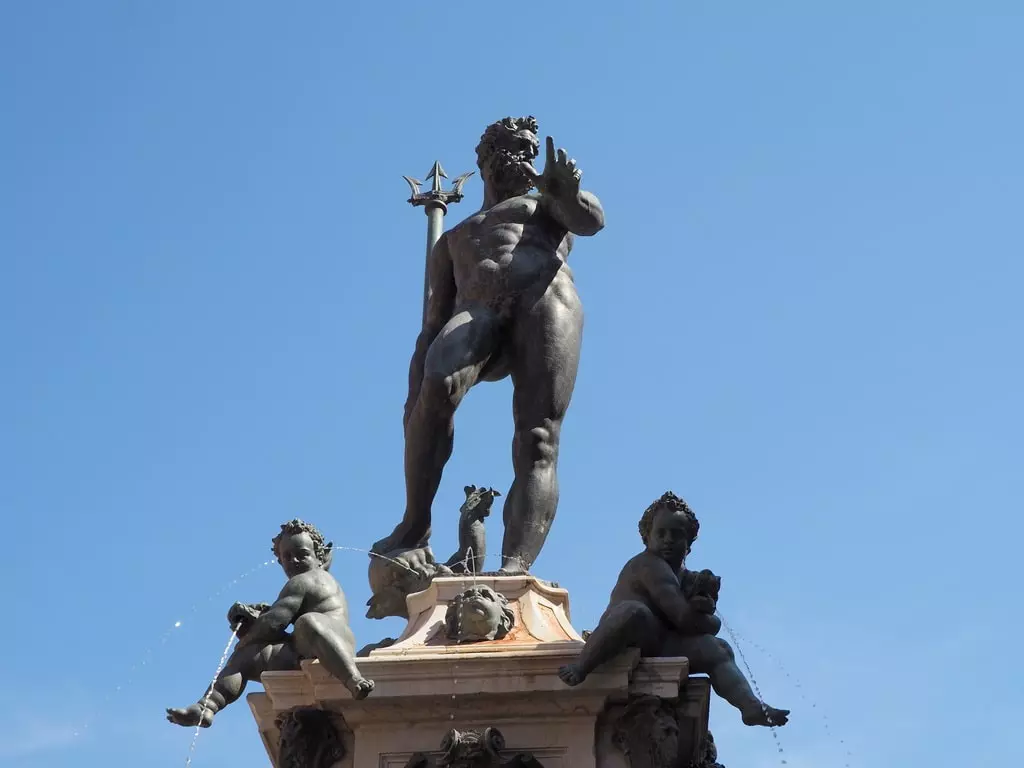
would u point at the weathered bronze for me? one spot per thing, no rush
(312, 601)
(472, 536)
(501, 302)
(650, 610)
(473, 749)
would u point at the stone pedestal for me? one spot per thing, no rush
(427, 683)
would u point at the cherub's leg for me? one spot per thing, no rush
(626, 625)
(329, 639)
(714, 657)
(245, 663)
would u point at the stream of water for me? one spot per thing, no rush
(206, 699)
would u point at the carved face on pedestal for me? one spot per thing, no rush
(472, 749)
(478, 614)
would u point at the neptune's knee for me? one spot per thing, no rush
(539, 445)
(440, 392)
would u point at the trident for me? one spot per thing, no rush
(435, 204)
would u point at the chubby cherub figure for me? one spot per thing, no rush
(311, 601)
(666, 611)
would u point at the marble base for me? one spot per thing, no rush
(426, 685)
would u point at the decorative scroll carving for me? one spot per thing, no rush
(647, 733)
(309, 739)
(473, 749)
(710, 756)
(651, 732)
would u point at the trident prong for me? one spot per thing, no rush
(435, 202)
(459, 181)
(414, 184)
(437, 194)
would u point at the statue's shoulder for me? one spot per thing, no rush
(467, 223)
(320, 579)
(636, 564)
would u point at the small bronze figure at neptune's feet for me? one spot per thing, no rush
(501, 302)
(666, 611)
(472, 534)
(313, 602)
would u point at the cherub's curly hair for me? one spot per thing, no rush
(505, 623)
(672, 502)
(488, 141)
(296, 526)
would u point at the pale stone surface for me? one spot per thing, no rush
(426, 685)
(542, 617)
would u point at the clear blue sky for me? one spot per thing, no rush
(804, 316)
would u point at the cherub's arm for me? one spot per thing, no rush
(662, 586)
(706, 624)
(272, 624)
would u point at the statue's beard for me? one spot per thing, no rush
(506, 174)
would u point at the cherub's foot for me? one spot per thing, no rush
(572, 674)
(191, 716)
(762, 714)
(359, 687)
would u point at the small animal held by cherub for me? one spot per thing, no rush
(312, 602)
(666, 611)
(701, 588)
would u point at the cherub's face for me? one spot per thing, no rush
(669, 536)
(479, 615)
(297, 554)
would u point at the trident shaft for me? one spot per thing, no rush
(435, 204)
